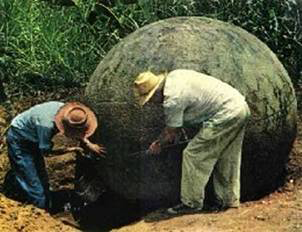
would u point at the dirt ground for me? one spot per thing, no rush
(279, 211)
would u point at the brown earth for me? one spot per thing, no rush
(280, 211)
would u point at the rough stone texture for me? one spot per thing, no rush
(210, 46)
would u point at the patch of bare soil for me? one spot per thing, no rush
(280, 211)
(15, 216)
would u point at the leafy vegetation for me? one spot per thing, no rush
(45, 45)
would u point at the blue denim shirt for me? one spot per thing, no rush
(37, 124)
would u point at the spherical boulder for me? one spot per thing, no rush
(210, 46)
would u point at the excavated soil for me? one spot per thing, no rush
(279, 211)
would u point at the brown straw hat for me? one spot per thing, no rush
(76, 120)
(145, 86)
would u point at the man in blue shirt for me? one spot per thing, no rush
(29, 139)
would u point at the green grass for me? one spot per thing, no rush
(45, 45)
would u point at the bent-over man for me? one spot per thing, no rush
(29, 139)
(193, 99)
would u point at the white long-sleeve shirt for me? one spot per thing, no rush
(191, 98)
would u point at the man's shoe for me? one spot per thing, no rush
(183, 209)
(216, 208)
(212, 209)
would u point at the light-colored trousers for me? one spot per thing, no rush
(216, 150)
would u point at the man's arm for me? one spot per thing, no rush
(167, 136)
(98, 149)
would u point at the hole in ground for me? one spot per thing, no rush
(112, 211)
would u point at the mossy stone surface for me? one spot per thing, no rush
(205, 45)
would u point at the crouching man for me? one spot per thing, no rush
(29, 139)
(193, 99)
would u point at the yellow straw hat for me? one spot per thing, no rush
(145, 86)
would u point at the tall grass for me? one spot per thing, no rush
(45, 45)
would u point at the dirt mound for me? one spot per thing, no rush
(17, 217)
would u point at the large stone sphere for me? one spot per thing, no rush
(208, 46)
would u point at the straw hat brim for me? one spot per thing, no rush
(91, 123)
(143, 99)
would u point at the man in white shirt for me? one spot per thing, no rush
(193, 99)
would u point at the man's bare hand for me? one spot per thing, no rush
(96, 148)
(170, 134)
(154, 148)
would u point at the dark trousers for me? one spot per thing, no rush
(27, 179)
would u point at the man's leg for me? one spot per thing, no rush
(199, 159)
(226, 174)
(43, 176)
(10, 187)
(25, 174)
